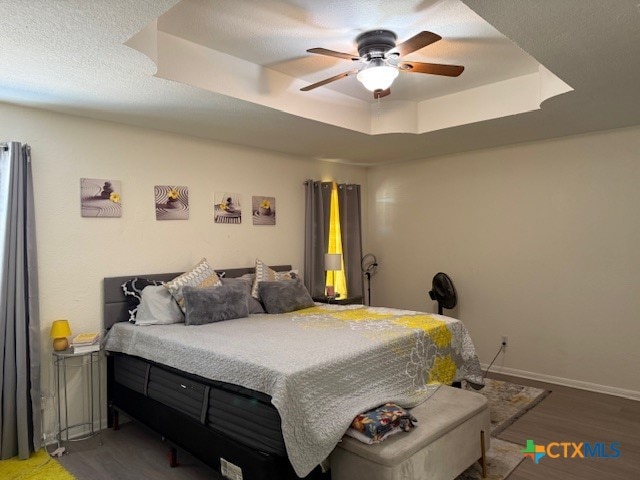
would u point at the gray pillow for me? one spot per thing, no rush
(254, 305)
(158, 307)
(214, 304)
(284, 296)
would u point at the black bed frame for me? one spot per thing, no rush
(177, 428)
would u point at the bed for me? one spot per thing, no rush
(271, 395)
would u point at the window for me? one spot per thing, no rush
(332, 225)
(336, 278)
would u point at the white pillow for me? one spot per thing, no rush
(158, 307)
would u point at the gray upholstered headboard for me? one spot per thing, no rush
(115, 303)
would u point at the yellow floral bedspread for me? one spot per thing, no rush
(440, 350)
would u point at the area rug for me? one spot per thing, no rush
(40, 466)
(507, 403)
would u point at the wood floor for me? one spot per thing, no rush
(566, 415)
(571, 415)
(131, 453)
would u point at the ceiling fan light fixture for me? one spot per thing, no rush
(377, 76)
(382, 59)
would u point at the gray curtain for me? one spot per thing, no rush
(317, 205)
(351, 229)
(20, 425)
(316, 238)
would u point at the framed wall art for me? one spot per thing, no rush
(100, 197)
(172, 202)
(227, 208)
(263, 210)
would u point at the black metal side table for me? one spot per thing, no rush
(86, 367)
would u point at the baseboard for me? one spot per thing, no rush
(567, 382)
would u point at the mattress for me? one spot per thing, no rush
(239, 413)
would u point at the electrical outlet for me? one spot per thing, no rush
(505, 342)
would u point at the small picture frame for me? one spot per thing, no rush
(100, 197)
(263, 210)
(172, 202)
(227, 208)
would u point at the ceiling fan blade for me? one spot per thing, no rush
(329, 80)
(432, 68)
(332, 53)
(381, 93)
(416, 42)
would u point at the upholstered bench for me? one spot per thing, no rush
(451, 434)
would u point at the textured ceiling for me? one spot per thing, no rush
(71, 57)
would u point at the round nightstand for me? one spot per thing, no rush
(85, 368)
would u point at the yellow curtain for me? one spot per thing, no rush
(337, 278)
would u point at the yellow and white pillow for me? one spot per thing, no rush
(200, 276)
(266, 274)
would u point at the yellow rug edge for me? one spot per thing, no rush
(38, 466)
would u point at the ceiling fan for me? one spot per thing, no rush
(381, 59)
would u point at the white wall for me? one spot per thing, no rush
(75, 253)
(542, 241)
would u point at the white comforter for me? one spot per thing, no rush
(322, 366)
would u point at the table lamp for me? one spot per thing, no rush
(332, 263)
(59, 332)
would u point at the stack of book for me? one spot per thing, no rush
(86, 343)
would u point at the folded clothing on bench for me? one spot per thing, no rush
(380, 423)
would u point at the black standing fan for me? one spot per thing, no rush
(443, 292)
(369, 263)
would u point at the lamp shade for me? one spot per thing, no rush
(333, 261)
(60, 328)
(377, 76)
(59, 332)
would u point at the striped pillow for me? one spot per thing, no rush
(200, 276)
(266, 274)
